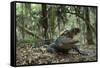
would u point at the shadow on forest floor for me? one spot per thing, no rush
(26, 55)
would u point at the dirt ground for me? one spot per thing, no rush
(26, 55)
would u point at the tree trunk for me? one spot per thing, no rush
(22, 21)
(44, 21)
(89, 31)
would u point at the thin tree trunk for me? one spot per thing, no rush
(89, 32)
(23, 34)
(44, 21)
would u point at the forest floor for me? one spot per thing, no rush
(27, 55)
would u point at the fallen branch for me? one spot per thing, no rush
(30, 32)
